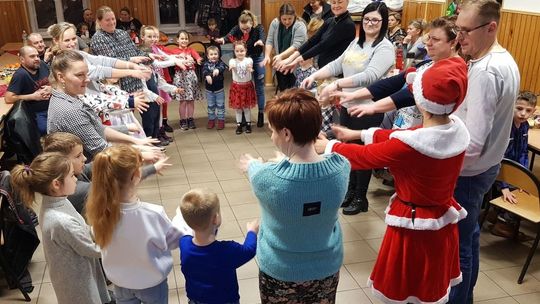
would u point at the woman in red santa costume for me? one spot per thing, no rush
(418, 261)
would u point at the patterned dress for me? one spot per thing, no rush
(187, 79)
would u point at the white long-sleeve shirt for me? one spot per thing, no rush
(488, 109)
(139, 254)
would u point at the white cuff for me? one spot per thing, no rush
(330, 146)
(367, 135)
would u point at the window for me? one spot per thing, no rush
(53, 11)
(175, 14)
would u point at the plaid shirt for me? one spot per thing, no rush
(118, 45)
(72, 115)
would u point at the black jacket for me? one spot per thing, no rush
(326, 12)
(22, 135)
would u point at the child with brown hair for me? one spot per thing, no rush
(136, 237)
(208, 265)
(71, 254)
(242, 91)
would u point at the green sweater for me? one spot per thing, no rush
(300, 236)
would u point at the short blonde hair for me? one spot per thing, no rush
(314, 25)
(198, 207)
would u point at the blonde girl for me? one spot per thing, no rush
(242, 91)
(71, 254)
(136, 237)
(186, 79)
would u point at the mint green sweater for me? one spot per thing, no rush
(300, 236)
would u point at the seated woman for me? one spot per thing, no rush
(300, 246)
(413, 44)
(68, 113)
(421, 238)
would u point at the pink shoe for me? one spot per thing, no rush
(211, 124)
(220, 124)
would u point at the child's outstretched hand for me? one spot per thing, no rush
(179, 90)
(209, 79)
(199, 61)
(160, 100)
(253, 226)
(161, 165)
(250, 68)
(215, 72)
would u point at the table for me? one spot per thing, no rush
(12, 47)
(534, 145)
(7, 59)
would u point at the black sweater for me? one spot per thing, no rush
(256, 33)
(331, 40)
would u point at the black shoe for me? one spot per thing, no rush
(248, 127)
(163, 134)
(348, 199)
(357, 205)
(166, 126)
(260, 120)
(239, 128)
(162, 142)
(183, 124)
(191, 123)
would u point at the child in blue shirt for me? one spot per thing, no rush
(525, 106)
(208, 265)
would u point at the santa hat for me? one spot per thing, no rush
(440, 88)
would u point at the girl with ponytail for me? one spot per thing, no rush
(71, 254)
(136, 237)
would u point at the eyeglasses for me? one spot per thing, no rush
(464, 33)
(372, 21)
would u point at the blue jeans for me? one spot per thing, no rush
(258, 78)
(216, 100)
(469, 193)
(158, 294)
(41, 121)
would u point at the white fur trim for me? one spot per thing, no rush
(423, 102)
(412, 299)
(330, 146)
(439, 142)
(451, 216)
(367, 135)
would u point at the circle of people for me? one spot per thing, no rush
(447, 127)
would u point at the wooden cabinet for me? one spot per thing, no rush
(13, 20)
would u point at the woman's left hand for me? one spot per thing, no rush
(320, 143)
(245, 160)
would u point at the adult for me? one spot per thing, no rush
(367, 59)
(329, 42)
(30, 83)
(418, 260)
(413, 46)
(395, 32)
(44, 52)
(487, 111)
(112, 42)
(88, 19)
(300, 246)
(389, 94)
(127, 23)
(285, 35)
(233, 10)
(68, 113)
(252, 33)
(317, 9)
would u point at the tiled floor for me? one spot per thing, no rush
(208, 158)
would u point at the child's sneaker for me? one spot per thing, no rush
(166, 126)
(211, 124)
(239, 128)
(248, 127)
(183, 124)
(191, 123)
(220, 124)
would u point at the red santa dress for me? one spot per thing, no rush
(418, 261)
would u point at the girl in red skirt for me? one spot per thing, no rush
(242, 92)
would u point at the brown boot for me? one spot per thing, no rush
(503, 229)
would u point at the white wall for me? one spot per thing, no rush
(530, 6)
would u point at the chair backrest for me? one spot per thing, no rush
(171, 46)
(199, 48)
(518, 176)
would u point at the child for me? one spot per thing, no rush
(186, 79)
(71, 254)
(71, 147)
(213, 72)
(303, 71)
(507, 224)
(209, 266)
(136, 237)
(329, 111)
(82, 29)
(213, 34)
(242, 92)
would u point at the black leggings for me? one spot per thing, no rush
(359, 179)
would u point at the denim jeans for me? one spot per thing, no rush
(150, 120)
(158, 294)
(469, 193)
(258, 78)
(216, 100)
(41, 121)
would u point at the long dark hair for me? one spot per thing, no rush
(381, 8)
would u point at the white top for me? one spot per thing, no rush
(241, 73)
(139, 255)
(488, 109)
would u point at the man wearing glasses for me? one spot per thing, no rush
(487, 112)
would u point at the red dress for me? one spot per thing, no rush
(418, 260)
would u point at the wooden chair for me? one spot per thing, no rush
(527, 194)
(171, 45)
